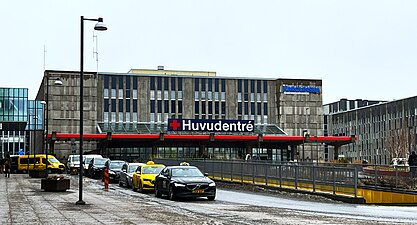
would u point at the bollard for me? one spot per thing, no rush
(106, 179)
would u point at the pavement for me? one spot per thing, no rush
(23, 202)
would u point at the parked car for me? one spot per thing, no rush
(144, 175)
(96, 167)
(184, 181)
(128, 169)
(86, 161)
(73, 164)
(115, 167)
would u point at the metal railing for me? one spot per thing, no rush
(335, 180)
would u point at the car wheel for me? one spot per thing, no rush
(171, 194)
(211, 198)
(140, 187)
(157, 193)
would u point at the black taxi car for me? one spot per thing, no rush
(184, 181)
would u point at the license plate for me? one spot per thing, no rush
(198, 191)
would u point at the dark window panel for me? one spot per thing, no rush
(258, 86)
(196, 84)
(106, 105)
(252, 108)
(196, 107)
(210, 107)
(166, 84)
(166, 106)
(106, 81)
(113, 82)
(203, 107)
(216, 85)
(252, 86)
(246, 86)
(246, 109)
(120, 105)
(152, 106)
(179, 107)
(173, 83)
(127, 82)
(203, 84)
(159, 106)
(265, 86)
(152, 83)
(239, 86)
(135, 83)
(127, 105)
(113, 105)
(223, 107)
(223, 85)
(135, 105)
(179, 84)
(239, 108)
(265, 108)
(259, 107)
(210, 84)
(159, 83)
(172, 106)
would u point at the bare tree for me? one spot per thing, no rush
(398, 141)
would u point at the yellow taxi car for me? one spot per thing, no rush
(144, 175)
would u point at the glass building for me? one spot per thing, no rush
(19, 117)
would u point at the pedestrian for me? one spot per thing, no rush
(7, 165)
(412, 162)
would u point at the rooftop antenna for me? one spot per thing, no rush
(95, 51)
(44, 56)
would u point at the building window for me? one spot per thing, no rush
(106, 105)
(120, 94)
(172, 106)
(159, 110)
(135, 94)
(223, 107)
(203, 107)
(152, 83)
(223, 85)
(210, 84)
(106, 93)
(135, 105)
(203, 84)
(113, 105)
(166, 84)
(196, 107)
(196, 97)
(113, 93)
(159, 84)
(179, 106)
(120, 105)
(265, 108)
(179, 84)
(179, 95)
(127, 105)
(216, 85)
(152, 106)
(106, 82)
(196, 84)
(239, 108)
(166, 95)
(106, 117)
(166, 106)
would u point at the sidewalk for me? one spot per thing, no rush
(23, 202)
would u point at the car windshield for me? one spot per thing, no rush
(186, 172)
(116, 165)
(75, 158)
(100, 162)
(54, 160)
(132, 168)
(152, 169)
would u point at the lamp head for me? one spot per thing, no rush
(100, 26)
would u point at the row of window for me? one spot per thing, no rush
(159, 82)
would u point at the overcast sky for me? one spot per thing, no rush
(360, 49)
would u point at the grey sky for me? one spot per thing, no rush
(360, 49)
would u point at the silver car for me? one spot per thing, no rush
(128, 169)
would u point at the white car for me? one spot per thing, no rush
(73, 164)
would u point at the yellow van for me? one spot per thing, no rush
(38, 162)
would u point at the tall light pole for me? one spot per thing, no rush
(57, 82)
(100, 27)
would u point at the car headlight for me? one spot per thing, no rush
(212, 184)
(179, 185)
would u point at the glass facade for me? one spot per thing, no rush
(13, 112)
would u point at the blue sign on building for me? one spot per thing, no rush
(301, 89)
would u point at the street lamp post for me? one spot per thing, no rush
(100, 27)
(57, 82)
(305, 132)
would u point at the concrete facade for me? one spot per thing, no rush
(140, 97)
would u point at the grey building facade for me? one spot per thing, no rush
(154, 96)
(385, 130)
